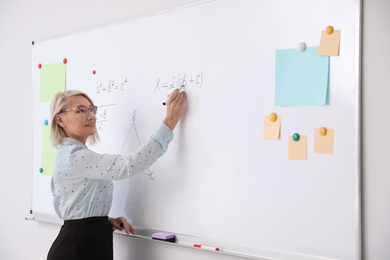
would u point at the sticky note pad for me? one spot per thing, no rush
(53, 79)
(323, 143)
(297, 150)
(329, 43)
(164, 236)
(271, 129)
(48, 152)
(301, 78)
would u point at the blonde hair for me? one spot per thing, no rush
(58, 104)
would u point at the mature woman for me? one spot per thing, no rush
(82, 180)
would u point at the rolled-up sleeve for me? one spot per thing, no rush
(164, 135)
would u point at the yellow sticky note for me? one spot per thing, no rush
(329, 44)
(297, 150)
(53, 79)
(48, 152)
(323, 143)
(271, 129)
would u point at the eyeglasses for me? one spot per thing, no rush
(82, 110)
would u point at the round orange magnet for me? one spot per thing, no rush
(329, 29)
(323, 131)
(273, 117)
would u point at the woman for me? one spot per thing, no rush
(82, 180)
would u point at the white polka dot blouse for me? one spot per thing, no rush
(82, 184)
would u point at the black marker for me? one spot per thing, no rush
(180, 89)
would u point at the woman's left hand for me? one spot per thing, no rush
(116, 224)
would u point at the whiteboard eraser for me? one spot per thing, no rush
(164, 237)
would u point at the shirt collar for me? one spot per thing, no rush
(71, 141)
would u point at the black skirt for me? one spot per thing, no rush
(89, 238)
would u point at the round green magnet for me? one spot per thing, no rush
(40, 170)
(295, 137)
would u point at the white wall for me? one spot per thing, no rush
(22, 21)
(376, 125)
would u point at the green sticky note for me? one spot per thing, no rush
(53, 79)
(48, 152)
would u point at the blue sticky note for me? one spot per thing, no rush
(301, 78)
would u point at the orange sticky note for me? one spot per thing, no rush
(323, 143)
(271, 129)
(329, 44)
(297, 150)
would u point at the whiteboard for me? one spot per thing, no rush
(220, 180)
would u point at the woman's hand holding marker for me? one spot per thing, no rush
(175, 105)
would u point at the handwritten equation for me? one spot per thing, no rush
(185, 80)
(102, 116)
(111, 87)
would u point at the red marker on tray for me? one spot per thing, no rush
(211, 248)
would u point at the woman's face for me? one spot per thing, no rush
(77, 125)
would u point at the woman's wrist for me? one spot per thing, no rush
(170, 123)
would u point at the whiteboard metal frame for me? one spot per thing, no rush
(358, 122)
(187, 241)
